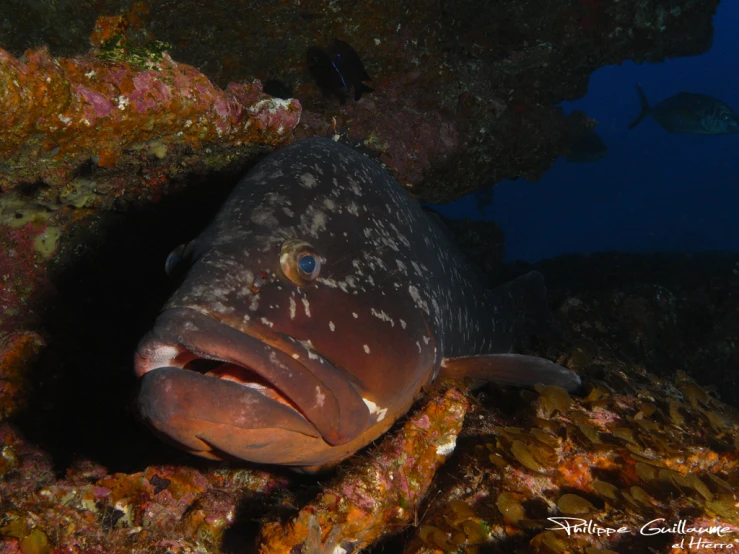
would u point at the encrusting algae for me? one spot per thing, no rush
(124, 107)
(641, 464)
(380, 494)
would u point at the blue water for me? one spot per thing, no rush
(655, 191)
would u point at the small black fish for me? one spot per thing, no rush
(688, 112)
(337, 70)
(588, 148)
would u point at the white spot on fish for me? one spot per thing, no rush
(420, 302)
(306, 305)
(221, 308)
(273, 359)
(331, 325)
(265, 217)
(355, 315)
(320, 397)
(374, 409)
(328, 282)
(293, 306)
(308, 181)
(366, 349)
(313, 221)
(163, 356)
(383, 316)
(402, 324)
(267, 322)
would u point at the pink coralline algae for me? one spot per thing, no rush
(58, 113)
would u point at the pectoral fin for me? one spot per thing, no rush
(510, 369)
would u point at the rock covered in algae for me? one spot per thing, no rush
(649, 474)
(17, 351)
(380, 494)
(161, 509)
(128, 108)
(465, 91)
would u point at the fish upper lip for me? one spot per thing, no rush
(299, 376)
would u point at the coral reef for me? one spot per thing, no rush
(134, 110)
(162, 509)
(382, 492)
(465, 92)
(17, 351)
(638, 453)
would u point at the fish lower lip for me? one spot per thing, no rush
(199, 412)
(187, 356)
(322, 394)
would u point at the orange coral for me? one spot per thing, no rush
(57, 113)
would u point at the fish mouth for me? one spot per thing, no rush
(205, 384)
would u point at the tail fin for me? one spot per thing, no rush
(645, 109)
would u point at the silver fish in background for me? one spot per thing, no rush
(689, 112)
(314, 308)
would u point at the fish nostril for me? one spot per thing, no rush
(260, 279)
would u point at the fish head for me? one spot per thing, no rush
(294, 337)
(720, 119)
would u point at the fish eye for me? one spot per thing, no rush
(299, 262)
(306, 264)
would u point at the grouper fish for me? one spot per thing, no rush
(314, 308)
